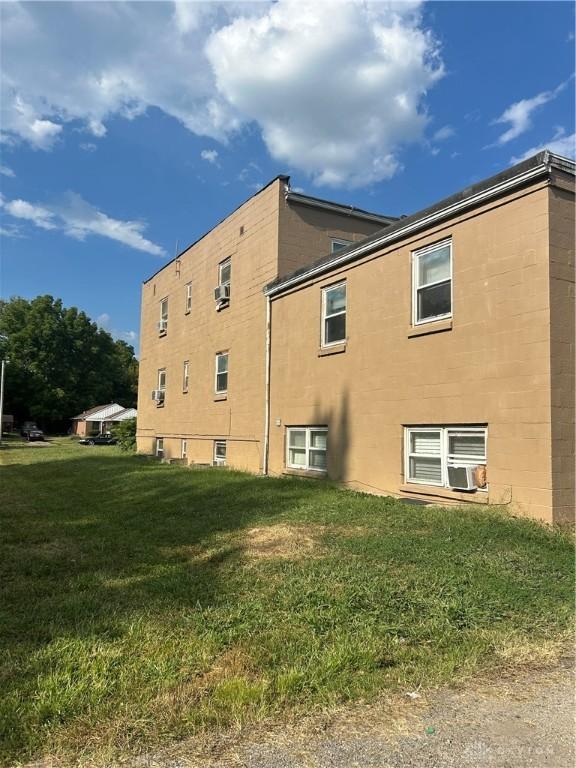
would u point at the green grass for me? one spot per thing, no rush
(132, 612)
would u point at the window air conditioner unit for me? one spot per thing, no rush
(222, 293)
(462, 478)
(162, 326)
(158, 395)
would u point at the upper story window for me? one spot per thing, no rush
(306, 448)
(222, 292)
(163, 322)
(453, 457)
(432, 283)
(339, 245)
(185, 376)
(162, 379)
(188, 301)
(334, 314)
(221, 374)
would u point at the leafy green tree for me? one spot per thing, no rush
(61, 362)
(125, 433)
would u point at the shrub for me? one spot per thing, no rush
(125, 433)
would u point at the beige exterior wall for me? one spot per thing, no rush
(562, 359)
(491, 365)
(270, 230)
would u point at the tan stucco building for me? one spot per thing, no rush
(431, 357)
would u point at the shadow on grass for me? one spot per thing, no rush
(94, 541)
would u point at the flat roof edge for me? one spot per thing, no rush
(349, 210)
(494, 186)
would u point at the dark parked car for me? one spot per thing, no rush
(31, 432)
(99, 440)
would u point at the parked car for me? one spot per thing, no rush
(31, 432)
(99, 440)
(34, 434)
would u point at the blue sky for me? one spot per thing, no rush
(136, 126)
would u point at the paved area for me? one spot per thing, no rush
(522, 721)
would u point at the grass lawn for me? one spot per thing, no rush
(142, 602)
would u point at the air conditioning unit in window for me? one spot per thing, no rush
(162, 326)
(158, 395)
(222, 294)
(462, 478)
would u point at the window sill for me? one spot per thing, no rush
(221, 396)
(222, 305)
(160, 405)
(184, 391)
(315, 473)
(187, 312)
(334, 349)
(415, 489)
(162, 333)
(434, 327)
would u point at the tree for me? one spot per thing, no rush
(61, 363)
(125, 433)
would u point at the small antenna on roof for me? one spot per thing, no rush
(177, 260)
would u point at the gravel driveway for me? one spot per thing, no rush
(516, 722)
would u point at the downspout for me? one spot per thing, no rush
(267, 389)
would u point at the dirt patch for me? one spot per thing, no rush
(284, 541)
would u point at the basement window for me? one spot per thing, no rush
(306, 448)
(160, 447)
(430, 453)
(219, 459)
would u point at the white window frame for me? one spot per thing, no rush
(325, 317)
(185, 376)
(446, 459)
(308, 430)
(159, 452)
(217, 461)
(416, 288)
(336, 241)
(164, 308)
(188, 300)
(227, 262)
(227, 356)
(162, 375)
(184, 448)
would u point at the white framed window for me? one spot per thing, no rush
(338, 244)
(185, 376)
(160, 447)
(429, 451)
(334, 314)
(162, 379)
(184, 449)
(221, 373)
(219, 458)
(163, 322)
(225, 272)
(306, 448)
(188, 301)
(432, 283)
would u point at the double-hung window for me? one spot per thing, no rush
(221, 373)
(163, 322)
(334, 314)
(161, 393)
(184, 449)
(429, 451)
(185, 376)
(225, 273)
(306, 448)
(188, 301)
(219, 458)
(160, 447)
(432, 283)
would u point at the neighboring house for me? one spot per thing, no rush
(433, 356)
(100, 419)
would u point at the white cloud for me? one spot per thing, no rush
(12, 232)
(519, 115)
(38, 215)
(559, 144)
(446, 132)
(129, 336)
(336, 92)
(78, 219)
(210, 155)
(5, 171)
(87, 146)
(103, 320)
